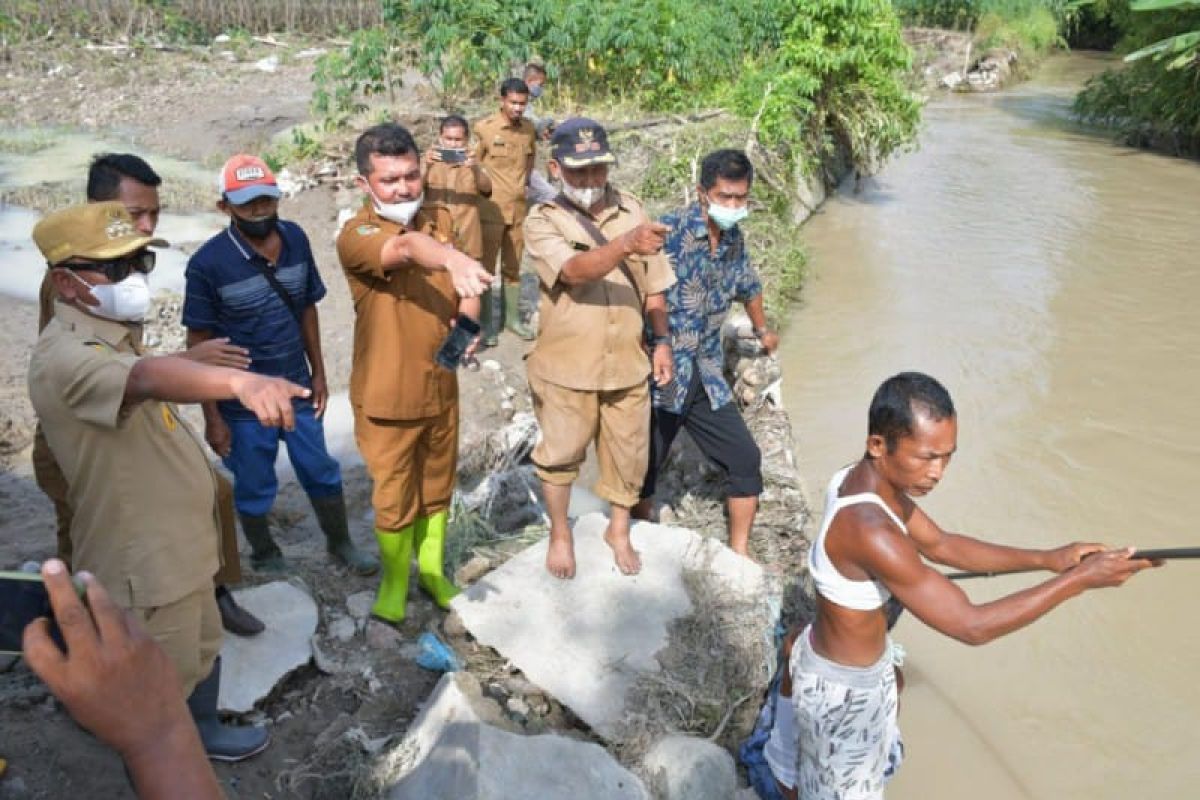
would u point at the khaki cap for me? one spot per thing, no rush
(98, 231)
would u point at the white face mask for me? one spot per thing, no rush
(126, 301)
(585, 198)
(726, 217)
(401, 213)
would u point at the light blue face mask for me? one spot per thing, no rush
(726, 217)
(535, 91)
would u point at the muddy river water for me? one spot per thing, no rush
(1050, 279)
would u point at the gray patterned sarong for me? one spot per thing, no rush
(846, 721)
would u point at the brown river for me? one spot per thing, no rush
(1050, 279)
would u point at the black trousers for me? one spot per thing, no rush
(721, 435)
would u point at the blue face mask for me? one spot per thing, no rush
(726, 217)
(535, 91)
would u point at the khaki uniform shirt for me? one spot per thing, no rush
(452, 200)
(402, 316)
(504, 150)
(143, 493)
(590, 335)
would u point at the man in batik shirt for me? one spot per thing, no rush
(712, 272)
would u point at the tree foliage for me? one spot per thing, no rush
(1155, 100)
(837, 81)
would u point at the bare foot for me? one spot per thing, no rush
(560, 556)
(628, 560)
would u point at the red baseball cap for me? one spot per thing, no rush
(245, 178)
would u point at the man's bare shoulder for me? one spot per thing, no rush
(864, 532)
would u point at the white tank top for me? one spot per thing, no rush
(859, 595)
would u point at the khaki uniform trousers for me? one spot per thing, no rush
(189, 630)
(617, 420)
(412, 464)
(506, 242)
(50, 479)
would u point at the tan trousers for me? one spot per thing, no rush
(506, 242)
(617, 420)
(189, 630)
(412, 465)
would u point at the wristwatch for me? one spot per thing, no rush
(657, 340)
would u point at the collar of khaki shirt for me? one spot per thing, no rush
(116, 335)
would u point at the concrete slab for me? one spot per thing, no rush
(449, 753)
(586, 640)
(252, 666)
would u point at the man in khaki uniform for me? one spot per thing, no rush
(138, 477)
(506, 143)
(601, 268)
(406, 288)
(129, 179)
(454, 189)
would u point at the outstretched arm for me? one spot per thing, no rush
(405, 249)
(892, 558)
(966, 552)
(178, 380)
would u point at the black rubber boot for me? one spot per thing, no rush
(265, 555)
(331, 516)
(234, 618)
(222, 742)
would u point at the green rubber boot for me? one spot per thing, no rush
(395, 552)
(265, 555)
(430, 535)
(331, 516)
(512, 312)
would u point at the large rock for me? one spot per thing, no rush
(449, 753)
(586, 641)
(690, 768)
(252, 666)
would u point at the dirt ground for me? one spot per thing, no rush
(202, 106)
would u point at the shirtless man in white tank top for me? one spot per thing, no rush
(871, 546)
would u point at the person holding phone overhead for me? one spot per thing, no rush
(146, 516)
(602, 273)
(454, 184)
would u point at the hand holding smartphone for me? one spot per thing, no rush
(23, 598)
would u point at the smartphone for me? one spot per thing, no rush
(450, 354)
(452, 155)
(23, 598)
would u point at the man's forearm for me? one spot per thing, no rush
(310, 331)
(413, 248)
(174, 379)
(756, 312)
(656, 312)
(967, 553)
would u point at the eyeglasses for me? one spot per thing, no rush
(118, 269)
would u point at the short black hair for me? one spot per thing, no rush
(454, 121)
(534, 68)
(732, 165)
(107, 169)
(388, 139)
(899, 399)
(513, 86)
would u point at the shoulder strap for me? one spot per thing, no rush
(594, 231)
(269, 274)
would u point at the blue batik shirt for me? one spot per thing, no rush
(706, 285)
(228, 295)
